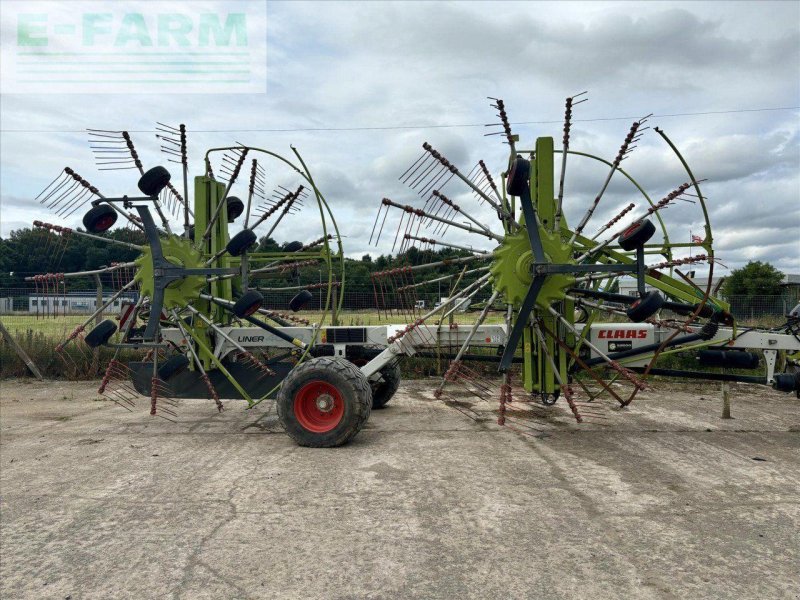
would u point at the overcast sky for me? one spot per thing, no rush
(419, 65)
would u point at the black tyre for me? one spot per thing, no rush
(248, 304)
(687, 309)
(706, 312)
(383, 390)
(239, 243)
(518, 176)
(173, 366)
(549, 399)
(235, 208)
(293, 246)
(100, 334)
(300, 300)
(154, 180)
(645, 307)
(725, 318)
(786, 382)
(636, 235)
(99, 218)
(324, 402)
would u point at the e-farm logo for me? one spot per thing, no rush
(134, 47)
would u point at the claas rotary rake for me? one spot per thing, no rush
(551, 281)
(217, 312)
(196, 291)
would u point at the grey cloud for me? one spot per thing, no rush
(337, 65)
(660, 48)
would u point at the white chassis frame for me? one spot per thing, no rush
(426, 336)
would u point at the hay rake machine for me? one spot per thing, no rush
(194, 294)
(549, 283)
(196, 298)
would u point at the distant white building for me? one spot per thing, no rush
(75, 303)
(628, 286)
(462, 306)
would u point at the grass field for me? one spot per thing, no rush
(22, 325)
(56, 327)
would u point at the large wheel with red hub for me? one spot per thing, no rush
(324, 402)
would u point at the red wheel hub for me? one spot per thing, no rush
(252, 309)
(104, 223)
(318, 406)
(631, 229)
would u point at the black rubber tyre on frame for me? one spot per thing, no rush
(101, 333)
(172, 366)
(154, 180)
(388, 386)
(293, 246)
(99, 218)
(324, 402)
(300, 300)
(239, 243)
(645, 307)
(518, 176)
(248, 304)
(235, 208)
(636, 235)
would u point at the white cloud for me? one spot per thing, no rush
(417, 64)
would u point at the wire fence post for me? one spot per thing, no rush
(726, 401)
(20, 352)
(97, 319)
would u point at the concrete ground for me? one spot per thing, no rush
(666, 500)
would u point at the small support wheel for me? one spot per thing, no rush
(293, 246)
(645, 307)
(239, 243)
(235, 208)
(549, 399)
(300, 300)
(154, 180)
(324, 402)
(99, 219)
(786, 382)
(637, 235)
(248, 304)
(101, 333)
(384, 389)
(173, 366)
(518, 176)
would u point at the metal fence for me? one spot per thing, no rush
(24, 309)
(39, 321)
(760, 309)
(27, 312)
(38, 305)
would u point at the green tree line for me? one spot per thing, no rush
(34, 251)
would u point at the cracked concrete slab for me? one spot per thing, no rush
(666, 500)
